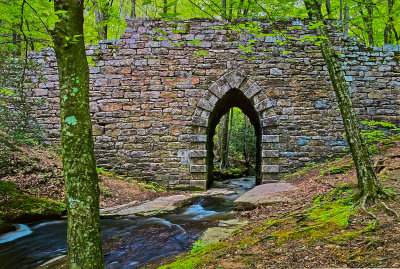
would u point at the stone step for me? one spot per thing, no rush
(269, 193)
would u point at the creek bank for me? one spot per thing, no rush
(18, 207)
(320, 227)
(161, 205)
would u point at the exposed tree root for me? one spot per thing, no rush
(388, 209)
(362, 200)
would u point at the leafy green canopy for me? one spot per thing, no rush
(27, 24)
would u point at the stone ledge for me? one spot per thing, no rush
(270, 169)
(270, 153)
(198, 168)
(192, 138)
(198, 153)
(198, 184)
(270, 138)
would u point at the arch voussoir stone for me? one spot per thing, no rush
(235, 79)
(253, 90)
(205, 104)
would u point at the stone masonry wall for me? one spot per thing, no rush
(150, 100)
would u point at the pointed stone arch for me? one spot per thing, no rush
(237, 85)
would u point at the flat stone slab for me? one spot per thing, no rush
(160, 205)
(224, 230)
(263, 194)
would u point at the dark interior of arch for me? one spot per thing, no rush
(233, 98)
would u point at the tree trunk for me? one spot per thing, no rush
(223, 8)
(121, 8)
(240, 8)
(245, 155)
(220, 129)
(165, 7)
(328, 7)
(224, 143)
(79, 167)
(346, 21)
(388, 33)
(133, 9)
(368, 21)
(368, 184)
(230, 10)
(100, 20)
(229, 132)
(246, 11)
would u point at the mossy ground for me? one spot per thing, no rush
(15, 206)
(321, 227)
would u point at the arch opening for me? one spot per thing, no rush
(232, 98)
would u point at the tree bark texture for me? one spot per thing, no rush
(223, 8)
(165, 7)
(368, 184)
(101, 18)
(368, 20)
(133, 9)
(225, 143)
(81, 181)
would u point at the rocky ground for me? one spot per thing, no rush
(32, 187)
(318, 225)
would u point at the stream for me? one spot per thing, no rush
(129, 242)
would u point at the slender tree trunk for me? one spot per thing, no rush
(101, 20)
(17, 40)
(230, 131)
(341, 10)
(133, 9)
(368, 184)
(346, 21)
(175, 7)
(223, 8)
(246, 11)
(388, 33)
(121, 8)
(220, 131)
(328, 8)
(368, 21)
(240, 8)
(245, 142)
(224, 143)
(230, 10)
(79, 167)
(165, 7)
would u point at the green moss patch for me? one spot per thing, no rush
(340, 167)
(229, 173)
(16, 206)
(199, 255)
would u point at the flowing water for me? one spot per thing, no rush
(129, 242)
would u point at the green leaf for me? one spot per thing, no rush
(200, 53)
(195, 42)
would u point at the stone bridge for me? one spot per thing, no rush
(155, 104)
